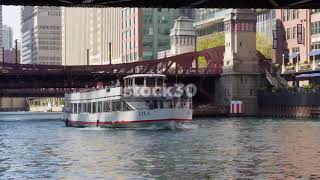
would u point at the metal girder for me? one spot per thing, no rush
(27, 79)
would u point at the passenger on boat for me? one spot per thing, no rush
(150, 104)
(118, 83)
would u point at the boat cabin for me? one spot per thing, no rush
(145, 80)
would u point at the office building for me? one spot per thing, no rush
(289, 44)
(209, 21)
(87, 33)
(145, 32)
(7, 36)
(41, 35)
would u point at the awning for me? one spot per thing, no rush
(293, 55)
(308, 75)
(314, 52)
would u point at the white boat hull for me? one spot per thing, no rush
(131, 119)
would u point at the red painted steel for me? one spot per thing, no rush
(183, 64)
(45, 80)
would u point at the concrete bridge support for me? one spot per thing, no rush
(241, 78)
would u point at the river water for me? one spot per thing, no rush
(211, 148)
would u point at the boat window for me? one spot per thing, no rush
(94, 107)
(99, 107)
(116, 106)
(159, 81)
(155, 102)
(150, 81)
(89, 108)
(71, 108)
(139, 81)
(75, 108)
(161, 104)
(125, 106)
(106, 107)
(168, 104)
(79, 108)
(84, 105)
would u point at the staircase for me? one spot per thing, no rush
(281, 80)
(276, 80)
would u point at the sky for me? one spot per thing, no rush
(11, 17)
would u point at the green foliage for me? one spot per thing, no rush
(292, 89)
(264, 45)
(217, 39)
(308, 87)
(202, 62)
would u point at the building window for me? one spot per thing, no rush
(294, 50)
(288, 14)
(315, 27)
(284, 14)
(294, 31)
(315, 46)
(294, 14)
(288, 33)
(314, 11)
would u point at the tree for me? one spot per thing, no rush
(264, 45)
(216, 40)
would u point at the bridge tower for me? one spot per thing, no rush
(240, 78)
(182, 36)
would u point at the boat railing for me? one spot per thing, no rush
(82, 90)
(163, 105)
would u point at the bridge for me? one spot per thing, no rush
(52, 80)
(23, 80)
(309, 4)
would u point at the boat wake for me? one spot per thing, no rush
(187, 126)
(94, 129)
(178, 127)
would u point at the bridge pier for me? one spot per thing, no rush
(239, 87)
(240, 79)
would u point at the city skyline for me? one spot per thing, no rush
(11, 17)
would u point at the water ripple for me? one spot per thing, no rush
(206, 149)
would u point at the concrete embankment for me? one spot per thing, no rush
(286, 104)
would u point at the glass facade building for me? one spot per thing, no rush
(145, 32)
(266, 21)
(41, 35)
(209, 21)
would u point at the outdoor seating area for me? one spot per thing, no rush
(295, 64)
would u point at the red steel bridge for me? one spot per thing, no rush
(27, 80)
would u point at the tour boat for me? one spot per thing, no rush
(142, 101)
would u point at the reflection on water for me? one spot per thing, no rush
(205, 149)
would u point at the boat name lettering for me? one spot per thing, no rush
(144, 113)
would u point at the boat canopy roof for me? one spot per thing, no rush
(144, 75)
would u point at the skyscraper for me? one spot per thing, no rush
(145, 32)
(41, 35)
(93, 30)
(209, 21)
(7, 36)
